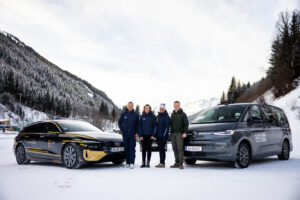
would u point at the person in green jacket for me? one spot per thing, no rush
(179, 128)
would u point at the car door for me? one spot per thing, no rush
(282, 128)
(273, 130)
(50, 140)
(32, 139)
(256, 131)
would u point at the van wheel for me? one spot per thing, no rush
(70, 156)
(190, 161)
(285, 152)
(243, 156)
(21, 155)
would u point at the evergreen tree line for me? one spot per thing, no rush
(26, 78)
(285, 54)
(235, 90)
(284, 62)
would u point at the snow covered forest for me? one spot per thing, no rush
(28, 79)
(284, 67)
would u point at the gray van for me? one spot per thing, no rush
(238, 133)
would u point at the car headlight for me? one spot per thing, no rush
(227, 132)
(91, 144)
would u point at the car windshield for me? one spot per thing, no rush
(219, 114)
(77, 126)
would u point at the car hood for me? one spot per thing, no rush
(101, 136)
(212, 127)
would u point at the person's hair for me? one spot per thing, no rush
(130, 102)
(146, 106)
(177, 101)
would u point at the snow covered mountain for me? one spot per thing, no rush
(195, 106)
(28, 79)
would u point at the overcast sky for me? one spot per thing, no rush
(150, 51)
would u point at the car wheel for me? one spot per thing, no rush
(118, 162)
(285, 152)
(190, 161)
(243, 156)
(21, 155)
(70, 156)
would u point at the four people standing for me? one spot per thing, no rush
(148, 127)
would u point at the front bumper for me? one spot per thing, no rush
(101, 156)
(215, 148)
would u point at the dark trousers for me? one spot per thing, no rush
(177, 144)
(161, 148)
(129, 148)
(146, 147)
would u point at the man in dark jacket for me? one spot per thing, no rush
(179, 128)
(162, 133)
(128, 124)
(147, 128)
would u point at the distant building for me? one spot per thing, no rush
(5, 122)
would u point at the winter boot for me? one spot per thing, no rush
(176, 165)
(148, 164)
(143, 164)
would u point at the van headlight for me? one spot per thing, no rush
(227, 132)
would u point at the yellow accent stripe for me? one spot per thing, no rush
(39, 151)
(76, 141)
(84, 136)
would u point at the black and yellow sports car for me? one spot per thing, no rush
(70, 142)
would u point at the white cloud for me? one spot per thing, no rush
(150, 51)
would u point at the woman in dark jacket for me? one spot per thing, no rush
(162, 133)
(147, 128)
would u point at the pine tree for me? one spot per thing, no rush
(223, 99)
(232, 91)
(137, 109)
(113, 114)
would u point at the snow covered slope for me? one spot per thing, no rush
(196, 106)
(30, 115)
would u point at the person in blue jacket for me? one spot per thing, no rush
(162, 133)
(128, 124)
(147, 128)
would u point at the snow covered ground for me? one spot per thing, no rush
(265, 179)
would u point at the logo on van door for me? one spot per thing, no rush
(260, 137)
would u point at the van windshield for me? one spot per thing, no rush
(220, 114)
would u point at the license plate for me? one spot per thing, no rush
(193, 148)
(116, 149)
(155, 145)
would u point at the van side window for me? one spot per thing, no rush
(280, 116)
(254, 113)
(50, 127)
(268, 114)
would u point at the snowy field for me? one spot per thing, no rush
(265, 179)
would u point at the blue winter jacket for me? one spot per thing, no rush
(163, 125)
(128, 123)
(147, 124)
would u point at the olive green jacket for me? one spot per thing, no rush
(179, 122)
